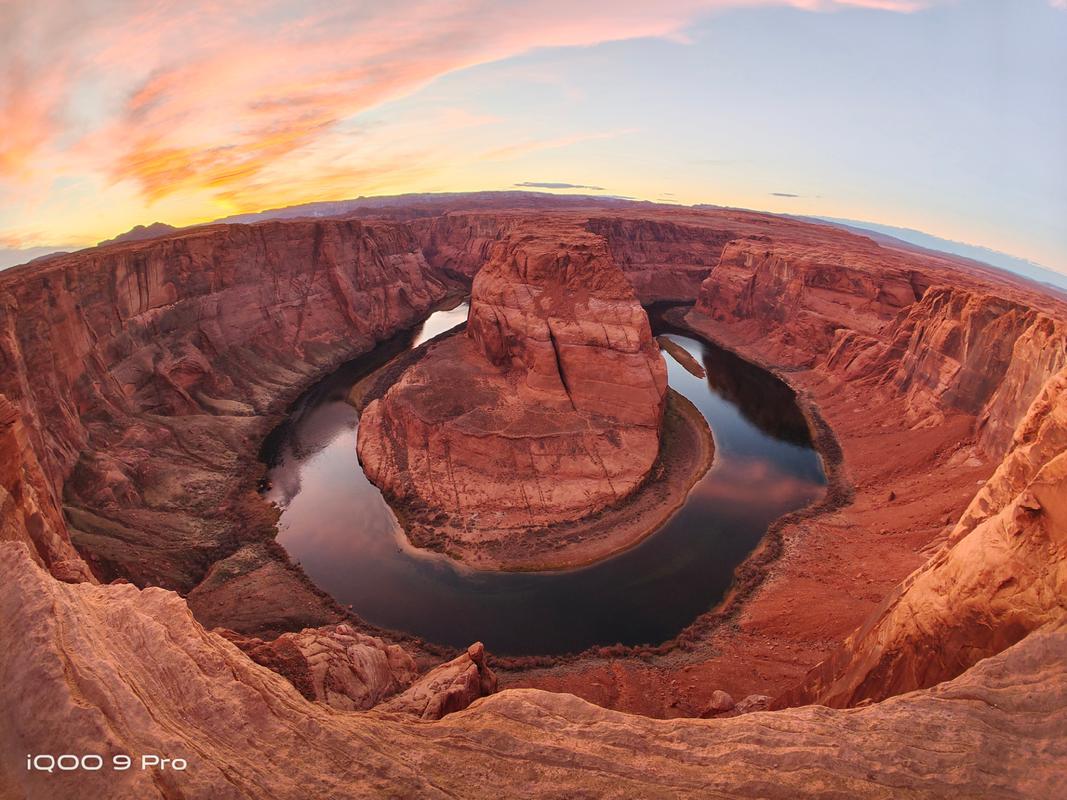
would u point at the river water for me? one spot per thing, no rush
(343, 533)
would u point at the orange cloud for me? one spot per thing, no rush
(29, 113)
(230, 100)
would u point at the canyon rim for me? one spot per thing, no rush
(147, 607)
(533, 399)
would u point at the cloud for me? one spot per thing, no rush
(206, 101)
(785, 194)
(553, 185)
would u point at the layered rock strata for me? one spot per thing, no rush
(1001, 574)
(146, 373)
(547, 410)
(117, 670)
(448, 687)
(958, 350)
(662, 259)
(139, 373)
(28, 510)
(334, 664)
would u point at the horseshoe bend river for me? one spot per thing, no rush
(339, 527)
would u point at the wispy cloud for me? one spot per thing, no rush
(785, 194)
(204, 101)
(554, 185)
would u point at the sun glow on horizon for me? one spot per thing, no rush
(123, 112)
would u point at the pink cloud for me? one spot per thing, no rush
(204, 95)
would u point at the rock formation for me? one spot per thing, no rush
(351, 671)
(546, 411)
(961, 350)
(140, 377)
(447, 688)
(146, 374)
(336, 665)
(28, 511)
(117, 670)
(1001, 574)
(662, 259)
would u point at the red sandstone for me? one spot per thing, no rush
(547, 411)
(929, 587)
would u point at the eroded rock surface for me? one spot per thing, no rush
(28, 511)
(337, 665)
(549, 408)
(960, 350)
(114, 669)
(450, 687)
(1001, 574)
(147, 373)
(142, 376)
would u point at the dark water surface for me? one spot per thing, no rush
(338, 526)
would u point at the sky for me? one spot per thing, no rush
(946, 116)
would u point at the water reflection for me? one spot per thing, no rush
(339, 527)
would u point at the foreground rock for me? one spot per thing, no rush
(335, 665)
(447, 688)
(547, 411)
(114, 669)
(1001, 574)
(28, 510)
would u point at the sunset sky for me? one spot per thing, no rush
(949, 117)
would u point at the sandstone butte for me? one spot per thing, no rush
(910, 630)
(549, 408)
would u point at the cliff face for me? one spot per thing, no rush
(1039, 352)
(28, 510)
(459, 244)
(141, 378)
(146, 373)
(566, 317)
(663, 260)
(959, 350)
(861, 314)
(796, 293)
(547, 411)
(1001, 575)
(897, 334)
(120, 670)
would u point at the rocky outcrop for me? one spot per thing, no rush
(146, 373)
(797, 290)
(1038, 353)
(28, 511)
(960, 350)
(450, 687)
(459, 244)
(547, 411)
(1001, 574)
(944, 339)
(114, 669)
(338, 666)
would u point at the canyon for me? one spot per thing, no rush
(914, 618)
